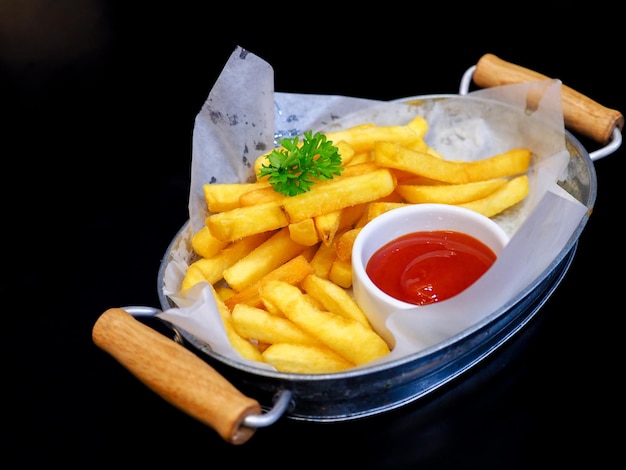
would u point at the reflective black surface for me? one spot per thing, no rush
(98, 101)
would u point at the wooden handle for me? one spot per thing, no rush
(580, 113)
(176, 374)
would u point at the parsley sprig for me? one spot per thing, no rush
(295, 167)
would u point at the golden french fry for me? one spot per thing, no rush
(434, 153)
(222, 197)
(323, 259)
(362, 157)
(404, 177)
(193, 275)
(270, 307)
(341, 273)
(392, 197)
(394, 155)
(343, 245)
(349, 338)
(351, 215)
(418, 146)
(242, 345)
(345, 150)
(363, 138)
(316, 303)
(224, 292)
(331, 225)
(266, 257)
(359, 169)
(213, 268)
(511, 193)
(205, 244)
(419, 125)
(449, 193)
(304, 359)
(245, 221)
(327, 225)
(309, 252)
(334, 298)
(259, 196)
(258, 324)
(292, 272)
(377, 208)
(510, 163)
(372, 208)
(304, 232)
(329, 196)
(270, 195)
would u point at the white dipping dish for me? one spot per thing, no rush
(381, 230)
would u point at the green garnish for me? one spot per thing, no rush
(294, 168)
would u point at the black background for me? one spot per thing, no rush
(97, 103)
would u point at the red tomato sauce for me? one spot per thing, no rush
(426, 267)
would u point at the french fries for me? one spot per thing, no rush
(349, 338)
(293, 271)
(394, 155)
(514, 191)
(280, 266)
(333, 298)
(225, 196)
(362, 138)
(242, 345)
(205, 244)
(449, 193)
(298, 358)
(212, 268)
(339, 193)
(273, 252)
(259, 324)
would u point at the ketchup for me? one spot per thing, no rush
(426, 267)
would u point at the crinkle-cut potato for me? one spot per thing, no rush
(280, 266)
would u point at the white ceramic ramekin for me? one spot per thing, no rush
(378, 305)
